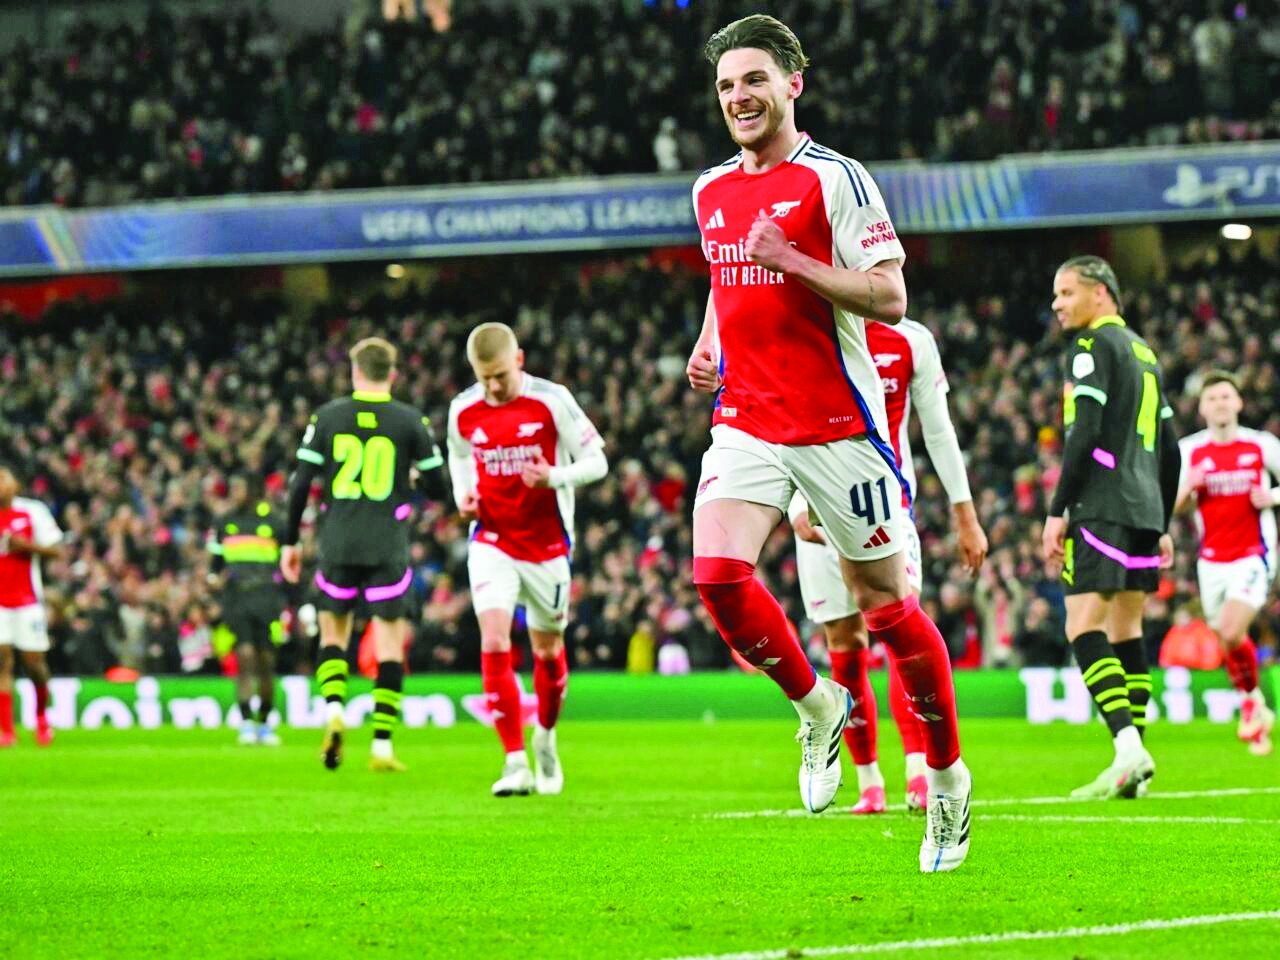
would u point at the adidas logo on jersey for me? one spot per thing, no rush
(479, 436)
(878, 539)
(717, 220)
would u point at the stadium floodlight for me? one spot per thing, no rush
(395, 271)
(1236, 231)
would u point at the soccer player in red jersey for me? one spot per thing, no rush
(28, 533)
(518, 446)
(911, 373)
(802, 255)
(1227, 472)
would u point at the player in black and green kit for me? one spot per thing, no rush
(1109, 516)
(366, 450)
(246, 549)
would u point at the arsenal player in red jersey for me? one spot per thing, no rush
(518, 446)
(802, 255)
(1227, 473)
(28, 533)
(910, 369)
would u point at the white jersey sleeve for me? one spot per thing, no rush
(862, 232)
(797, 506)
(579, 439)
(462, 467)
(1187, 446)
(929, 390)
(1270, 445)
(45, 531)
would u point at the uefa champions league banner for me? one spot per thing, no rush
(1037, 695)
(1043, 190)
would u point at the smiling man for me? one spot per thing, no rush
(803, 255)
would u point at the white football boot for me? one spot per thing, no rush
(548, 775)
(946, 831)
(820, 770)
(516, 779)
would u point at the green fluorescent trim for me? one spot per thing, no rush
(311, 456)
(369, 396)
(1093, 393)
(430, 463)
(251, 554)
(1108, 321)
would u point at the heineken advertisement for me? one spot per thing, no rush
(1038, 695)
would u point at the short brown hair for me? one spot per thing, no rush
(375, 358)
(761, 32)
(1094, 270)
(1215, 377)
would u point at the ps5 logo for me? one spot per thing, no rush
(1190, 189)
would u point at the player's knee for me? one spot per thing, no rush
(847, 635)
(719, 578)
(492, 641)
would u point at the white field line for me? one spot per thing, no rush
(1008, 802)
(1069, 818)
(857, 949)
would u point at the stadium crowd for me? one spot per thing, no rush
(131, 416)
(234, 103)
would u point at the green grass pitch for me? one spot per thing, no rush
(182, 844)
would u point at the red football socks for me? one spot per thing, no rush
(908, 725)
(920, 654)
(751, 622)
(504, 698)
(1242, 666)
(6, 714)
(849, 669)
(549, 678)
(42, 703)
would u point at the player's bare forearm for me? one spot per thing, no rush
(971, 538)
(876, 294)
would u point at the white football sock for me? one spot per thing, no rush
(915, 765)
(952, 779)
(869, 776)
(1128, 745)
(816, 704)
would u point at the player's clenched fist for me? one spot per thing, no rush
(766, 244)
(703, 374)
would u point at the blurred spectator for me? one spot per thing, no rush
(1040, 641)
(1190, 643)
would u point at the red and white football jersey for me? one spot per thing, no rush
(526, 523)
(906, 356)
(1231, 528)
(20, 584)
(796, 368)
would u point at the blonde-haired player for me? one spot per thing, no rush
(518, 446)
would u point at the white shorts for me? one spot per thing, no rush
(1246, 580)
(822, 588)
(24, 628)
(852, 490)
(500, 582)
